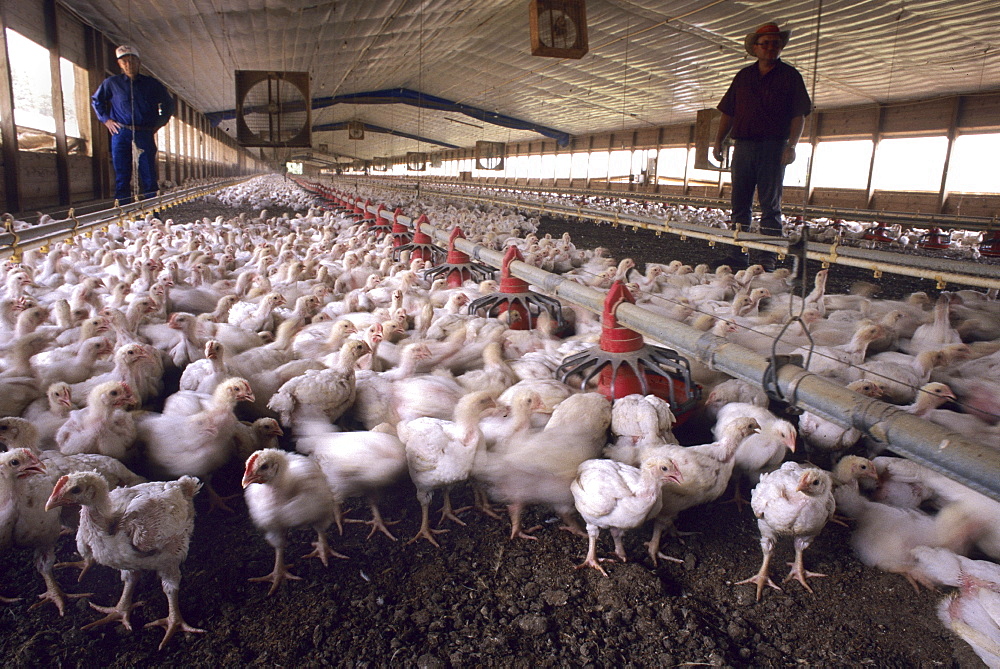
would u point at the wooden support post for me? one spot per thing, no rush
(58, 104)
(876, 138)
(956, 110)
(8, 130)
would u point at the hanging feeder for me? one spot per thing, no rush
(878, 234)
(400, 233)
(422, 247)
(458, 266)
(627, 366)
(514, 296)
(378, 224)
(990, 246)
(935, 239)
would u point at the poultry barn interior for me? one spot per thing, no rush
(436, 345)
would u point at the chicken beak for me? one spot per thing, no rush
(250, 477)
(55, 499)
(790, 442)
(803, 483)
(32, 466)
(674, 475)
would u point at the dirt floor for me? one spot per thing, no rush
(484, 600)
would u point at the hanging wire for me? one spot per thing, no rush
(628, 24)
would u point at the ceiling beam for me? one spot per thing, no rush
(342, 125)
(422, 100)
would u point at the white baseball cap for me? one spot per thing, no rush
(126, 50)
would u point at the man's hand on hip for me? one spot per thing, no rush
(113, 126)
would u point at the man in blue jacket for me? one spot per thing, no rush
(133, 106)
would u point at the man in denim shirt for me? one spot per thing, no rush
(133, 106)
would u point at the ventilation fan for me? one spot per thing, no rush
(416, 161)
(490, 155)
(558, 28)
(380, 164)
(273, 108)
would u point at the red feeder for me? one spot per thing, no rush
(515, 297)
(377, 223)
(400, 233)
(878, 234)
(628, 366)
(935, 239)
(422, 247)
(990, 246)
(458, 266)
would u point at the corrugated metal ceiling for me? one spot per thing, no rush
(650, 63)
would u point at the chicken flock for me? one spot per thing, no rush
(139, 362)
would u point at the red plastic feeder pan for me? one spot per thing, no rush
(935, 239)
(627, 366)
(878, 234)
(458, 267)
(514, 296)
(422, 247)
(990, 246)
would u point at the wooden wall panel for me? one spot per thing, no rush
(39, 186)
(916, 118)
(676, 135)
(26, 18)
(838, 197)
(972, 204)
(80, 178)
(647, 138)
(921, 203)
(981, 112)
(845, 123)
(71, 39)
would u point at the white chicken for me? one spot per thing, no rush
(792, 501)
(324, 393)
(973, 611)
(283, 491)
(24, 520)
(619, 497)
(705, 470)
(355, 463)
(103, 426)
(197, 444)
(142, 527)
(440, 453)
(538, 466)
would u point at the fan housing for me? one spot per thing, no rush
(273, 108)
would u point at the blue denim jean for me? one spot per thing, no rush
(757, 165)
(121, 159)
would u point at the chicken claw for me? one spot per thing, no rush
(278, 575)
(172, 624)
(800, 574)
(83, 565)
(761, 578)
(322, 550)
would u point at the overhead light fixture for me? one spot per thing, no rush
(455, 120)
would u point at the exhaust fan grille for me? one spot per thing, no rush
(273, 108)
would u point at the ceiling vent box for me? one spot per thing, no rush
(416, 161)
(273, 108)
(490, 155)
(558, 28)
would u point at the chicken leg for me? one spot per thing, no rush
(121, 611)
(171, 583)
(761, 578)
(53, 593)
(591, 560)
(279, 573)
(799, 572)
(514, 511)
(425, 527)
(447, 512)
(321, 548)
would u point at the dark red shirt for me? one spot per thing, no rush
(762, 107)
